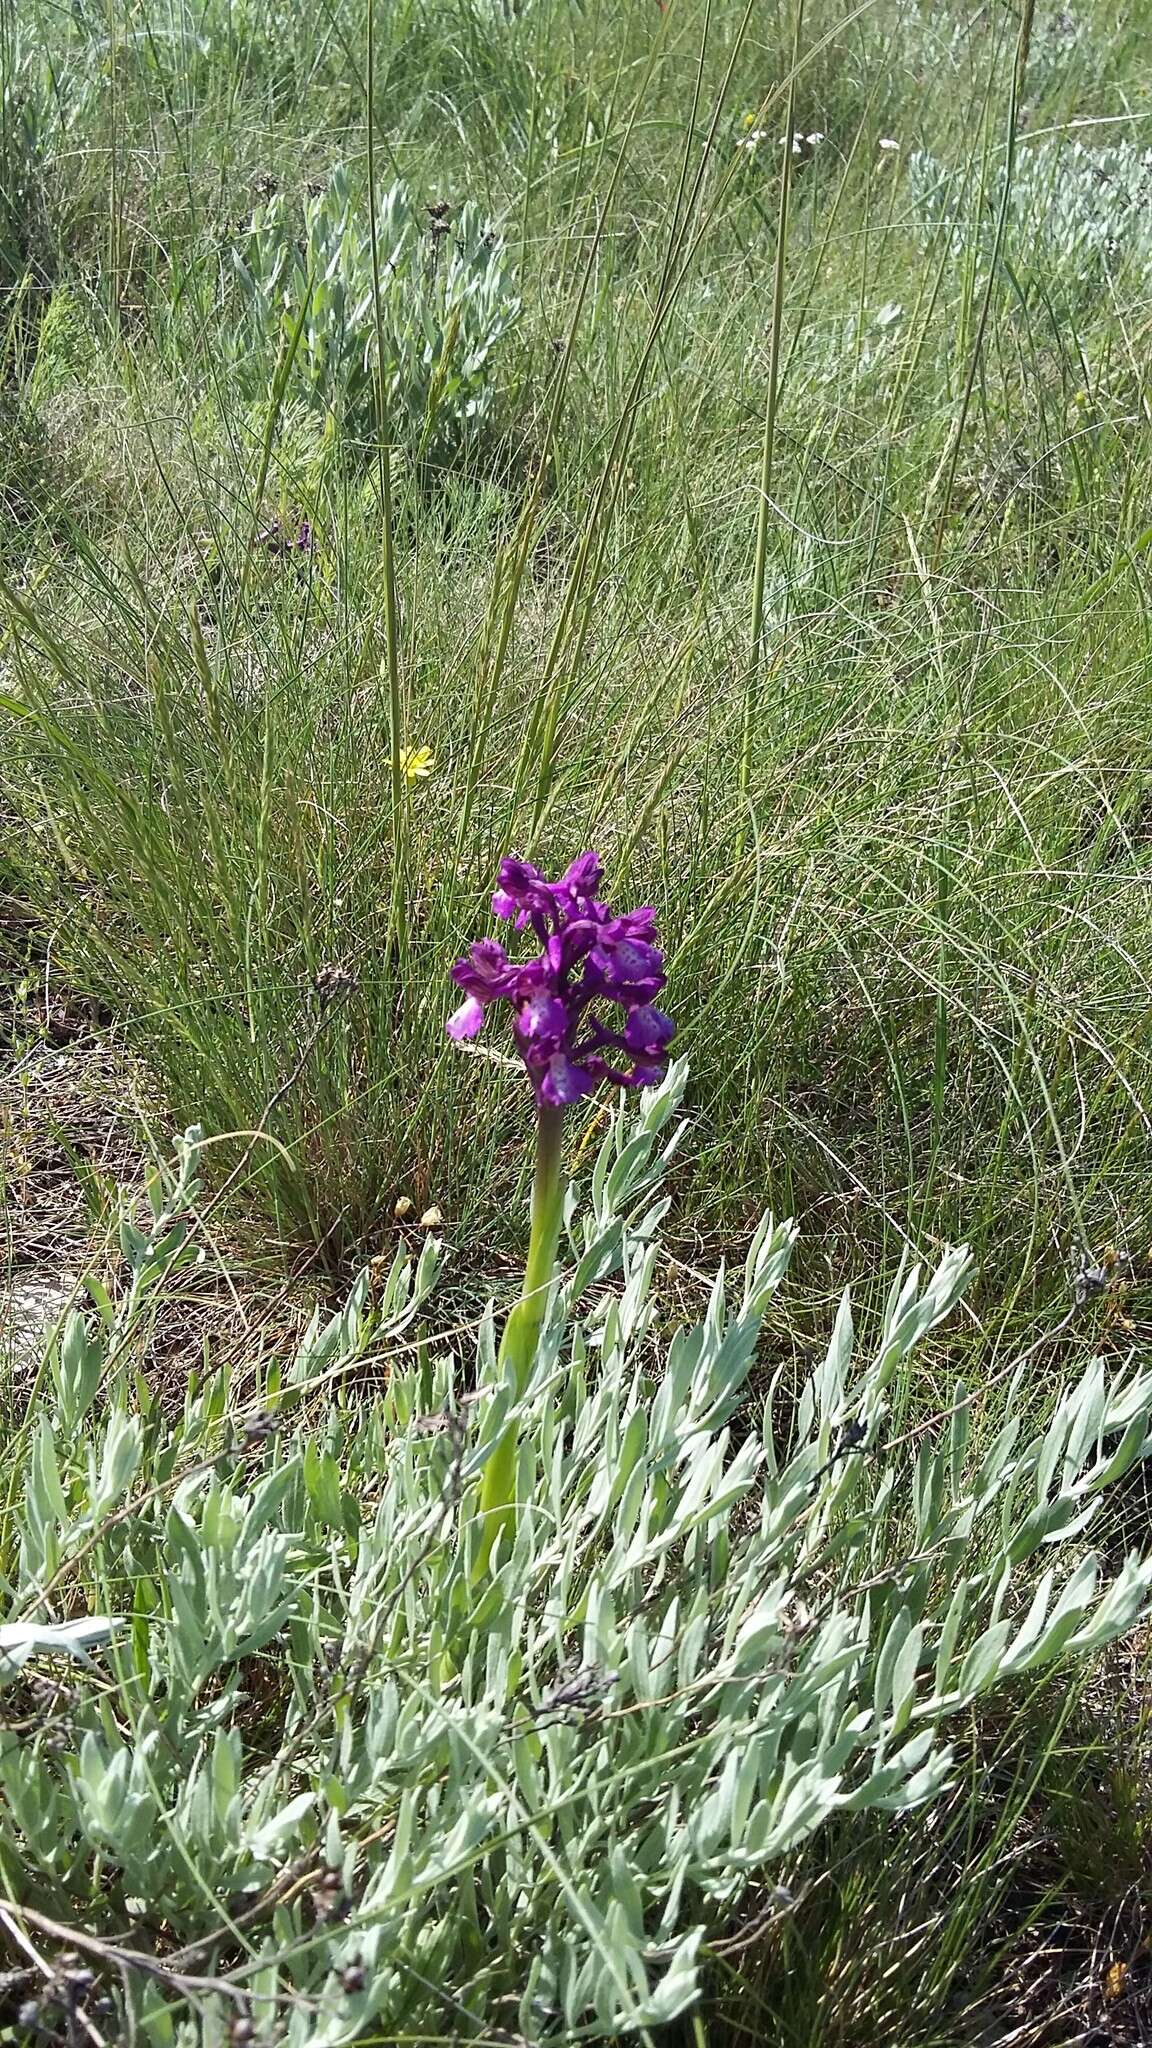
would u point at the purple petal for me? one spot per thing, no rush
(487, 972)
(563, 1082)
(467, 1020)
(646, 1073)
(570, 944)
(543, 1019)
(627, 970)
(647, 1029)
(518, 876)
(627, 959)
(521, 891)
(585, 873)
(488, 956)
(634, 924)
(575, 892)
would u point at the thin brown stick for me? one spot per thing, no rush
(44, 1968)
(121, 1958)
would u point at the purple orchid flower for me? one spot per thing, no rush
(590, 962)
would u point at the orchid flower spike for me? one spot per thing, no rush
(584, 1010)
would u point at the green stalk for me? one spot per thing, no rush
(522, 1330)
(945, 477)
(396, 914)
(768, 452)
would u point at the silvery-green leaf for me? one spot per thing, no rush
(20, 1640)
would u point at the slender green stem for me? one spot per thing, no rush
(387, 521)
(522, 1330)
(547, 1191)
(768, 454)
(945, 477)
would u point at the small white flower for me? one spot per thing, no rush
(889, 142)
(816, 136)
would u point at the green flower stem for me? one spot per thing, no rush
(522, 1330)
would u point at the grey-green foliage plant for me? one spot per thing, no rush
(447, 301)
(322, 1776)
(1077, 211)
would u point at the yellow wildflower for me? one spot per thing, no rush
(1115, 1981)
(417, 763)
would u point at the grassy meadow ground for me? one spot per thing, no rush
(788, 540)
